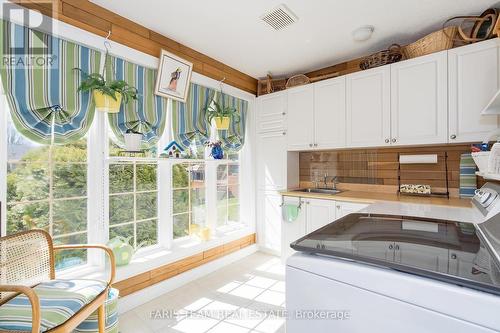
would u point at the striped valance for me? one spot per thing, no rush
(41, 85)
(189, 124)
(234, 137)
(147, 114)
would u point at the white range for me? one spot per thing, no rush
(400, 268)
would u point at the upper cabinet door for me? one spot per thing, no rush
(272, 112)
(329, 113)
(473, 80)
(368, 108)
(419, 102)
(300, 118)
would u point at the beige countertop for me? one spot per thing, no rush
(373, 197)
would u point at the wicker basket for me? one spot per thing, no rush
(270, 85)
(391, 55)
(297, 80)
(437, 41)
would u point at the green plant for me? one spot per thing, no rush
(96, 81)
(217, 110)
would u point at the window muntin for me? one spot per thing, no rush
(228, 193)
(47, 189)
(133, 202)
(188, 198)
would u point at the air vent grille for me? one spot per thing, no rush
(279, 17)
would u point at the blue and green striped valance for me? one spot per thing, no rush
(41, 85)
(234, 137)
(147, 114)
(189, 124)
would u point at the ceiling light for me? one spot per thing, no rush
(363, 33)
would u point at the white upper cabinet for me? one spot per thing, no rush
(272, 112)
(300, 117)
(271, 161)
(368, 108)
(419, 102)
(473, 80)
(329, 113)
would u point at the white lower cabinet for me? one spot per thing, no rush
(319, 213)
(291, 231)
(269, 214)
(345, 208)
(314, 214)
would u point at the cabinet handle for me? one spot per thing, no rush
(453, 256)
(391, 247)
(283, 113)
(453, 136)
(387, 141)
(284, 133)
(310, 145)
(315, 145)
(394, 140)
(338, 206)
(397, 247)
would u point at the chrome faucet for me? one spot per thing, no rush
(335, 182)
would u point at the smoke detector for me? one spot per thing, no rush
(279, 17)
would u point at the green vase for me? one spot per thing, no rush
(122, 250)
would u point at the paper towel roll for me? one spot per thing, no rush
(418, 159)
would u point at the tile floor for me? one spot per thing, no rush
(246, 296)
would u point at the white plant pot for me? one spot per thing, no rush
(132, 141)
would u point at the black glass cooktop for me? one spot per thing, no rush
(449, 251)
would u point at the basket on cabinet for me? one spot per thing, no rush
(391, 55)
(435, 42)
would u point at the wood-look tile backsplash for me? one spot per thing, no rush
(381, 166)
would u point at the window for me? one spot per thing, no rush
(133, 202)
(188, 196)
(228, 202)
(47, 189)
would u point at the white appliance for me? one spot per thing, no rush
(372, 272)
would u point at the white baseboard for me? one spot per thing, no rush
(143, 296)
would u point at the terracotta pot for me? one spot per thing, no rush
(106, 103)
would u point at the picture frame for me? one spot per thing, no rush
(174, 77)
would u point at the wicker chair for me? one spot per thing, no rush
(27, 278)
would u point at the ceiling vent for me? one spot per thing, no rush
(279, 17)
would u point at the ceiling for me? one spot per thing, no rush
(231, 30)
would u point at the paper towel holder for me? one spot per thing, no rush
(423, 159)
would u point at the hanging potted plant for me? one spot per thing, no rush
(221, 114)
(108, 96)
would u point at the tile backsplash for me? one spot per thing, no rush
(381, 166)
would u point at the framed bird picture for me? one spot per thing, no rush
(174, 76)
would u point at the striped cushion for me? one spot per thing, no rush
(59, 301)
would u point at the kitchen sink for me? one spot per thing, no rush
(319, 190)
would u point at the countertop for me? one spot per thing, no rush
(374, 197)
